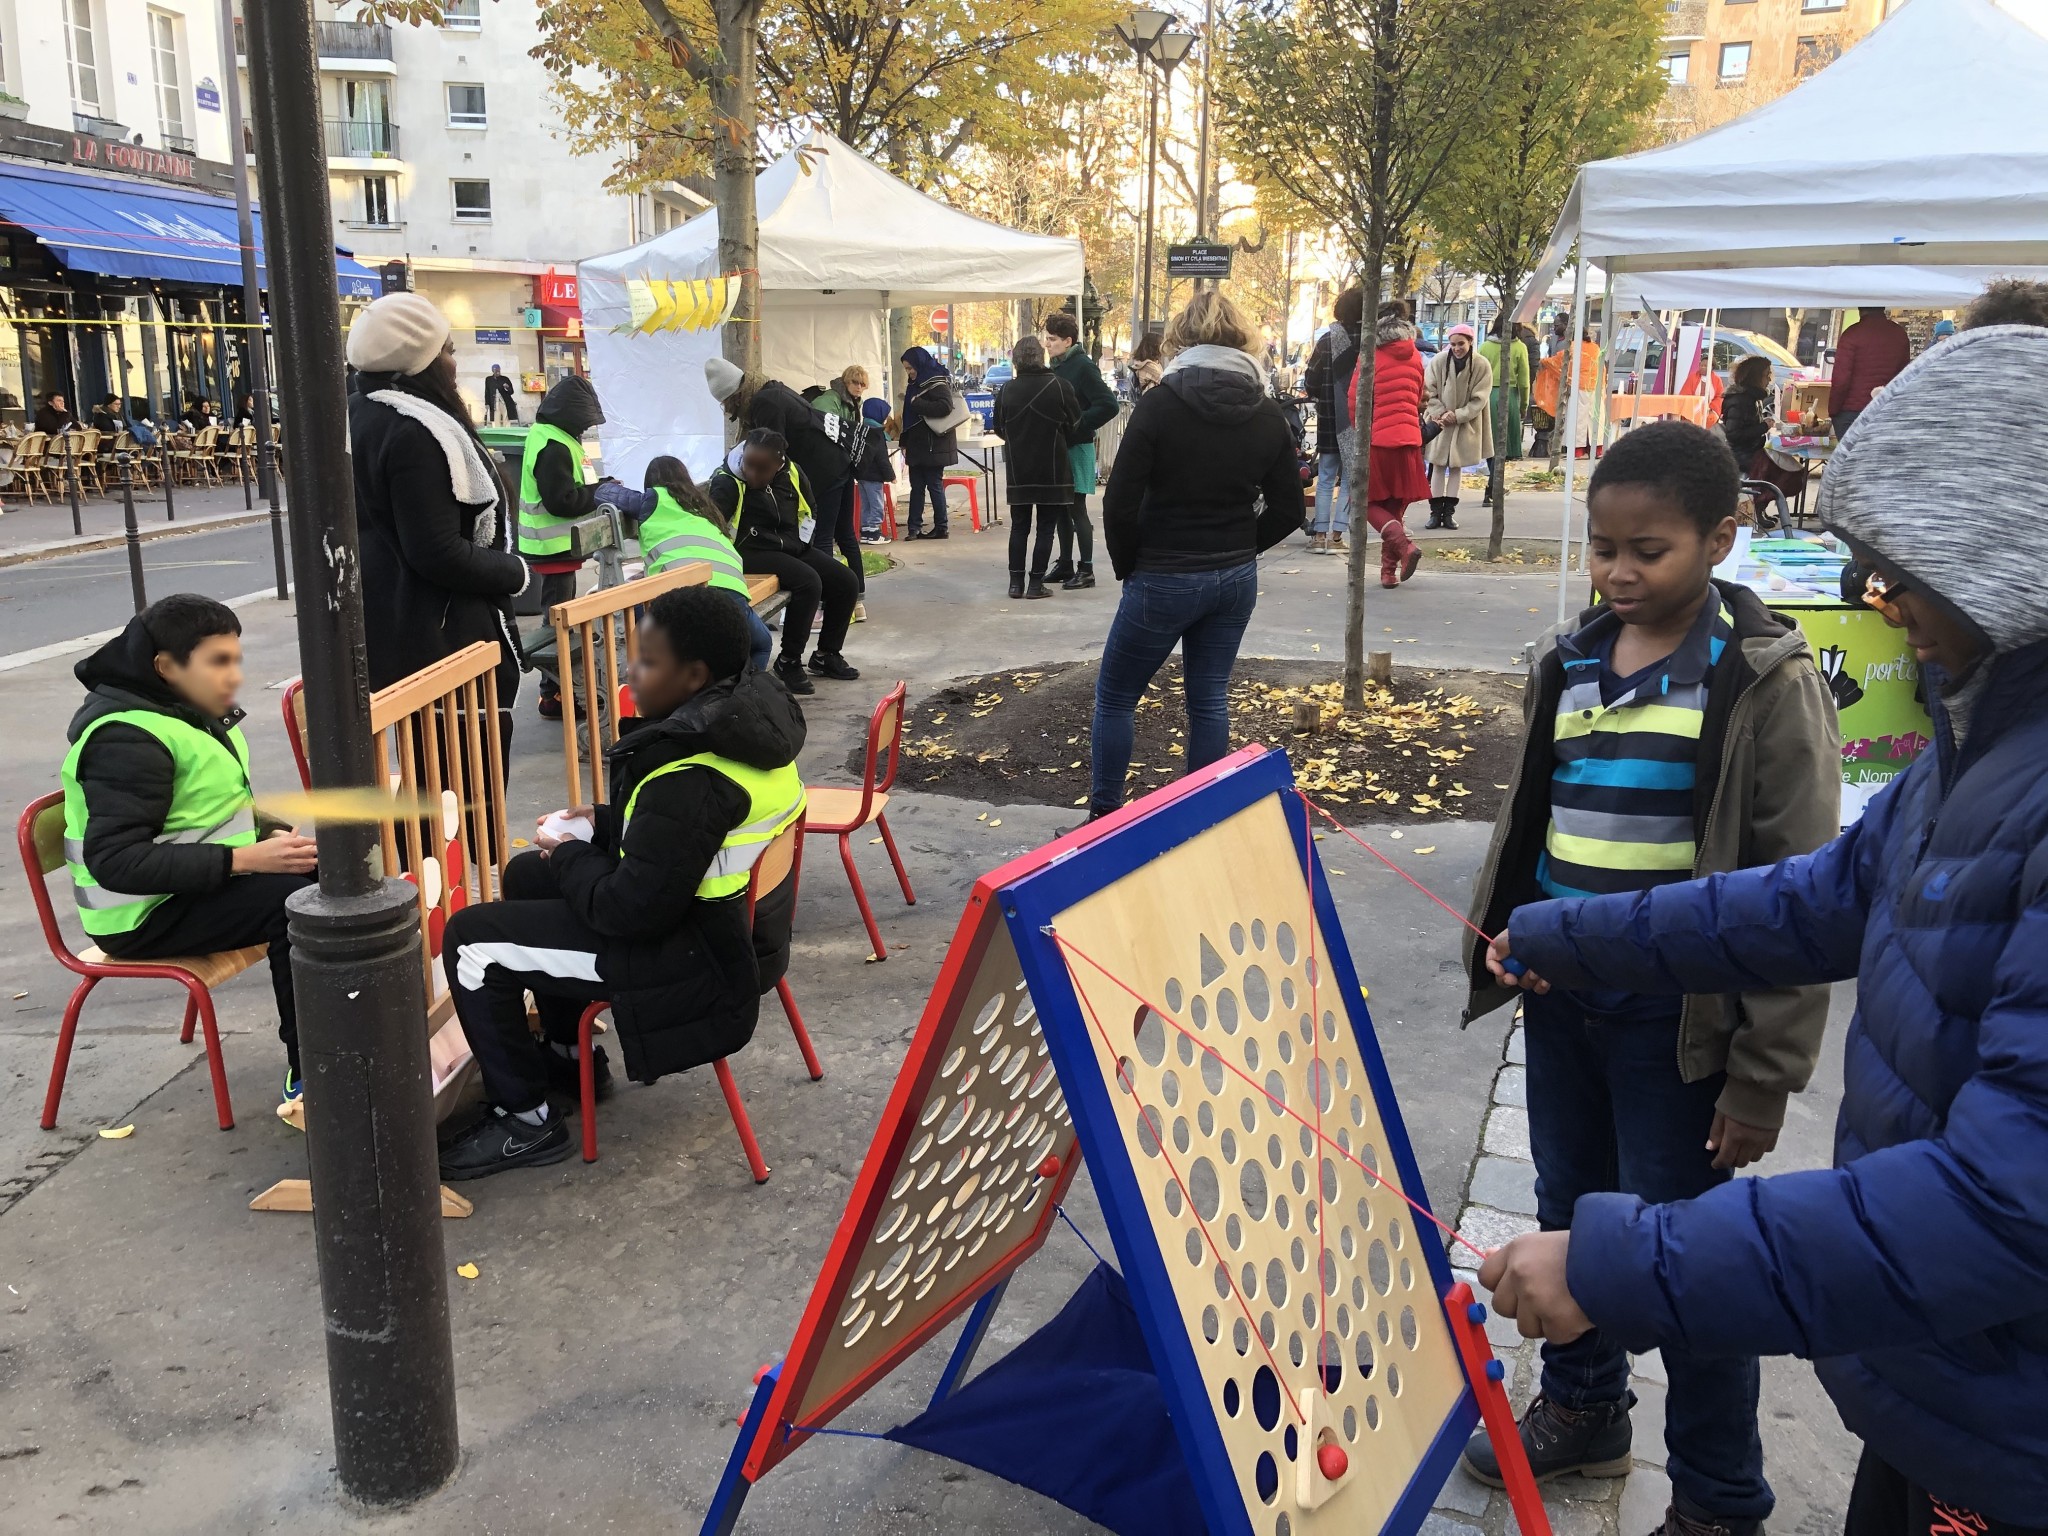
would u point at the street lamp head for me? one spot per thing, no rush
(1142, 31)
(1171, 48)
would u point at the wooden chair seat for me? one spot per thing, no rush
(827, 809)
(208, 970)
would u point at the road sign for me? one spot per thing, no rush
(942, 319)
(1200, 258)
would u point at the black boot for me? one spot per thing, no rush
(1017, 583)
(1450, 513)
(1037, 588)
(1062, 570)
(1680, 1520)
(1593, 1442)
(1083, 577)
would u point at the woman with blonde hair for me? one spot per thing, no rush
(1183, 526)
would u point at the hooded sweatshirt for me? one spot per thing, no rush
(1197, 455)
(1914, 1272)
(571, 406)
(127, 778)
(683, 974)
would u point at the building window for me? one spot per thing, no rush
(377, 202)
(170, 95)
(1814, 54)
(472, 202)
(466, 106)
(1734, 63)
(1677, 68)
(82, 53)
(462, 15)
(1821, 5)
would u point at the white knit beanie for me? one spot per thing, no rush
(399, 333)
(721, 378)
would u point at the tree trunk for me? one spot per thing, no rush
(1355, 485)
(733, 101)
(1507, 426)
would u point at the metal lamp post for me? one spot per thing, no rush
(1148, 36)
(356, 936)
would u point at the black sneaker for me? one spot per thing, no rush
(937, 533)
(793, 676)
(831, 664)
(564, 1078)
(500, 1141)
(1593, 1442)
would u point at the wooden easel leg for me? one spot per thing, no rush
(1468, 1327)
(733, 1483)
(970, 1342)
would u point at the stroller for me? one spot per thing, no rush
(1291, 407)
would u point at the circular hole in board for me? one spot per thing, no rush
(1407, 1276)
(1372, 1413)
(1175, 996)
(1393, 1380)
(1350, 1423)
(1308, 1307)
(1286, 991)
(1267, 1477)
(1282, 1215)
(1251, 1190)
(1296, 1353)
(1039, 1079)
(1248, 1281)
(1194, 1246)
(1276, 1090)
(1266, 1397)
(1212, 1071)
(860, 1329)
(1258, 991)
(1385, 1327)
(1226, 1011)
(1237, 937)
(1148, 1131)
(1231, 1399)
(1276, 1282)
(1343, 1321)
(1241, 1337)
(1227, 1145)
(1284, 1048)
(1233, 1231)
(1212, 1325)
(1378, 1268)
(1330, 1358)
(933, 1110)
(1258, 933)
(1198, 1011)
(1409, 1332)
(1184, 1048)
(1222, 1278)
(952, 1062)
(957, 1119)
(1203, 1189)
(1248, 1116)
(1251, 1052)
(1025, 1011)
(990, 1012)
(1181, 1139)
(1169, 1087)
(1172, 1198)
(1282, 1526)
(1266, 1329)
(1151, 1036)
(1362, 1351)
(1394, 1233)
(1205, 1118)
(954, 1165)
(1283, 943)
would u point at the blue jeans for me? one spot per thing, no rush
(928, 481)
(1333, 496)
(871, 504)
(760, 638)
(1206, 612)
(1608, 1111)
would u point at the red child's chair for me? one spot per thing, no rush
(842, 812)
(40, 834)
(778, 864)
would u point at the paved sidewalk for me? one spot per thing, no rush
(40, 530)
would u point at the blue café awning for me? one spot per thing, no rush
(126, 229)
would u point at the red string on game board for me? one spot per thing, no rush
(1285, 1109)
(1397, 869)
(1129, 1086)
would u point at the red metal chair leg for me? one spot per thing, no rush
(902, 874)
(191, 1017)
(740, 1122)
(63, 1062)
(860, 895)
(796, 1024)
(224, 1111)
(586, 1079)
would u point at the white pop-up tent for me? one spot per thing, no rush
(1911, 171)
(841, 243)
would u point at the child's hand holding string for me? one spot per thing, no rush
(1509, 971)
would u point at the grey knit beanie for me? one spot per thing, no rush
(721, 378)
(1937, 480)
(399, 333)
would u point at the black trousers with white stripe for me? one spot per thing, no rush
(495, 954)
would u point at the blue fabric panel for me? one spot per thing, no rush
(127, 229)
(1075, 1413)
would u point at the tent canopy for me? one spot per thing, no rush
(841, 242)
(1923, 148)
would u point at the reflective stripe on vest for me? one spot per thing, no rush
(775, 798)
(210, 803)
(540, 532)
(672, 533)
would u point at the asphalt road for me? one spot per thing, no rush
(45, 601)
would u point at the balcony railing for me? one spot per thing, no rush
(338, 40)
(179, 144)
(98, 127)
(1685, 18)
(348, 139)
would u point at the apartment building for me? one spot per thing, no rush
(444, 155)
(1724, 57)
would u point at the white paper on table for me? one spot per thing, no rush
(1739, 555)
(568, 829)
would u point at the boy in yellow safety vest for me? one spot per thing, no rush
(167, 853)
(642, 901)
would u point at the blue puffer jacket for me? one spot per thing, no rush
(1915, 1272)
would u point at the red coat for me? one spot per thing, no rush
(1871, 354)
(1397, 392)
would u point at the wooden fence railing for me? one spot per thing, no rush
(438, 744)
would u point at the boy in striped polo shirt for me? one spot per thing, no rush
(1677, 729)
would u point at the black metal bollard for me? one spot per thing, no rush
(242, 456)
(124, 458)
(163, 449)
(71, 479)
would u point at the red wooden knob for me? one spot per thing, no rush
(1050, 1168)
(1332, 1461)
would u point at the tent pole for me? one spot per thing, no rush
(1608, 328)
(1570, 373)
(1707, 357)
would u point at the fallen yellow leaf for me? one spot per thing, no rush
(997, 822)
(467, 1271)
(1395, 835)
(874, 839)
(1430, 849)
(982, 817)
(116, 1132)
(1082, 801)
(518, 842)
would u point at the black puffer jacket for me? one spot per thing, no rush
(685, 978)
(1039, 420)
(570, 406)
(127, 776)
(764, 521)
(781, 409)
(1197, 454)
(438, 567)
(924, 447)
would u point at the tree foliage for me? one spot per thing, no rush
(1579, 83)
(909, 82)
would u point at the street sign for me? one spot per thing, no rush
(1200, 258)
(942, 319)
(494, 338)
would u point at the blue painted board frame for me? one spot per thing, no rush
(1028, 906)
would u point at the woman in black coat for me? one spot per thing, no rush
(927, 452)
(1037, 416)
(435, 525)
